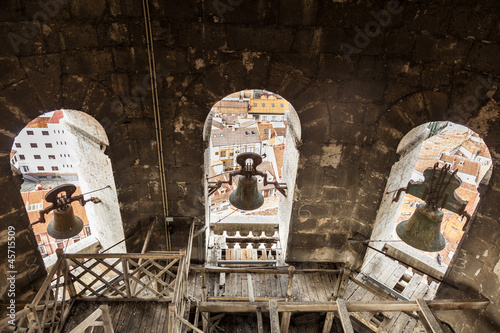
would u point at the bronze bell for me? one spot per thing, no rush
(423, 229)
(65, 224)
(247, 195)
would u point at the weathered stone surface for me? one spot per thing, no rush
(354, 108)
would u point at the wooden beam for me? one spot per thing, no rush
(260, 324)
(344, 281)
(352, 306)
(344, 316)
(251, 296)
(429, 320)
(151, 255)
(205, 316)
(187, 323)
(132, 288)
(285, 320)
(242, 299)
(327, 327)
(273, 316)
(266, 270)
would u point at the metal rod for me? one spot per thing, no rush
(406, 264)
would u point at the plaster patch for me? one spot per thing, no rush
(477, 272)
(331, 155)
(7, 133)
(199, 63)
(485, 254)
(487, 115)
(496, 270)
(247, 59)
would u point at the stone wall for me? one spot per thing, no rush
(357, 92)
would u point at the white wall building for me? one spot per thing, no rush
(41, 149)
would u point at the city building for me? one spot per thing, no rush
(226, 144)
(41, 151)
(268, 108)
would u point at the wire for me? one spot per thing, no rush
(234, 211)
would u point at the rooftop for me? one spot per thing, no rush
(237, 136)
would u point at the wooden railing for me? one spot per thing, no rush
(129, 276)
(135, 277)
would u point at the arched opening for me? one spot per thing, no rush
(250, 121)
(438, 143)
(61, 147)
(392, 267)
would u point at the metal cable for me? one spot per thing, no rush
(156, 112)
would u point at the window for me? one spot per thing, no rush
(263, 105)
(216, 153)
(18, 145)
(56, 177)
(231, 154)
(38, 238)
(33, 207)
(54, 168)
(233, 114)
(272, 105)
(282, 105)
(33, 145)
(255, 104)
(37, 157)
(42, 250)
(42, 177)
(215, 135)
(52, 157)
(253, 132)
(266, 131)
(223, 153)
(60, 244)
(29, 132)
(246, 133)
(48, 145)
(87, 230)
(25, 168)
(45, 132)
(65, 143)
(40, 168)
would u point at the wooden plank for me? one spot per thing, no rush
(429, 320)
(327, 326)
(106, 319)
(251, 295)
(260, 324)
(274, 318)
(376, 267)
(344, 316)
(87, 322)
(352, 306)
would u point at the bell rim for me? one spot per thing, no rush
(408, 240)
(73, 232)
